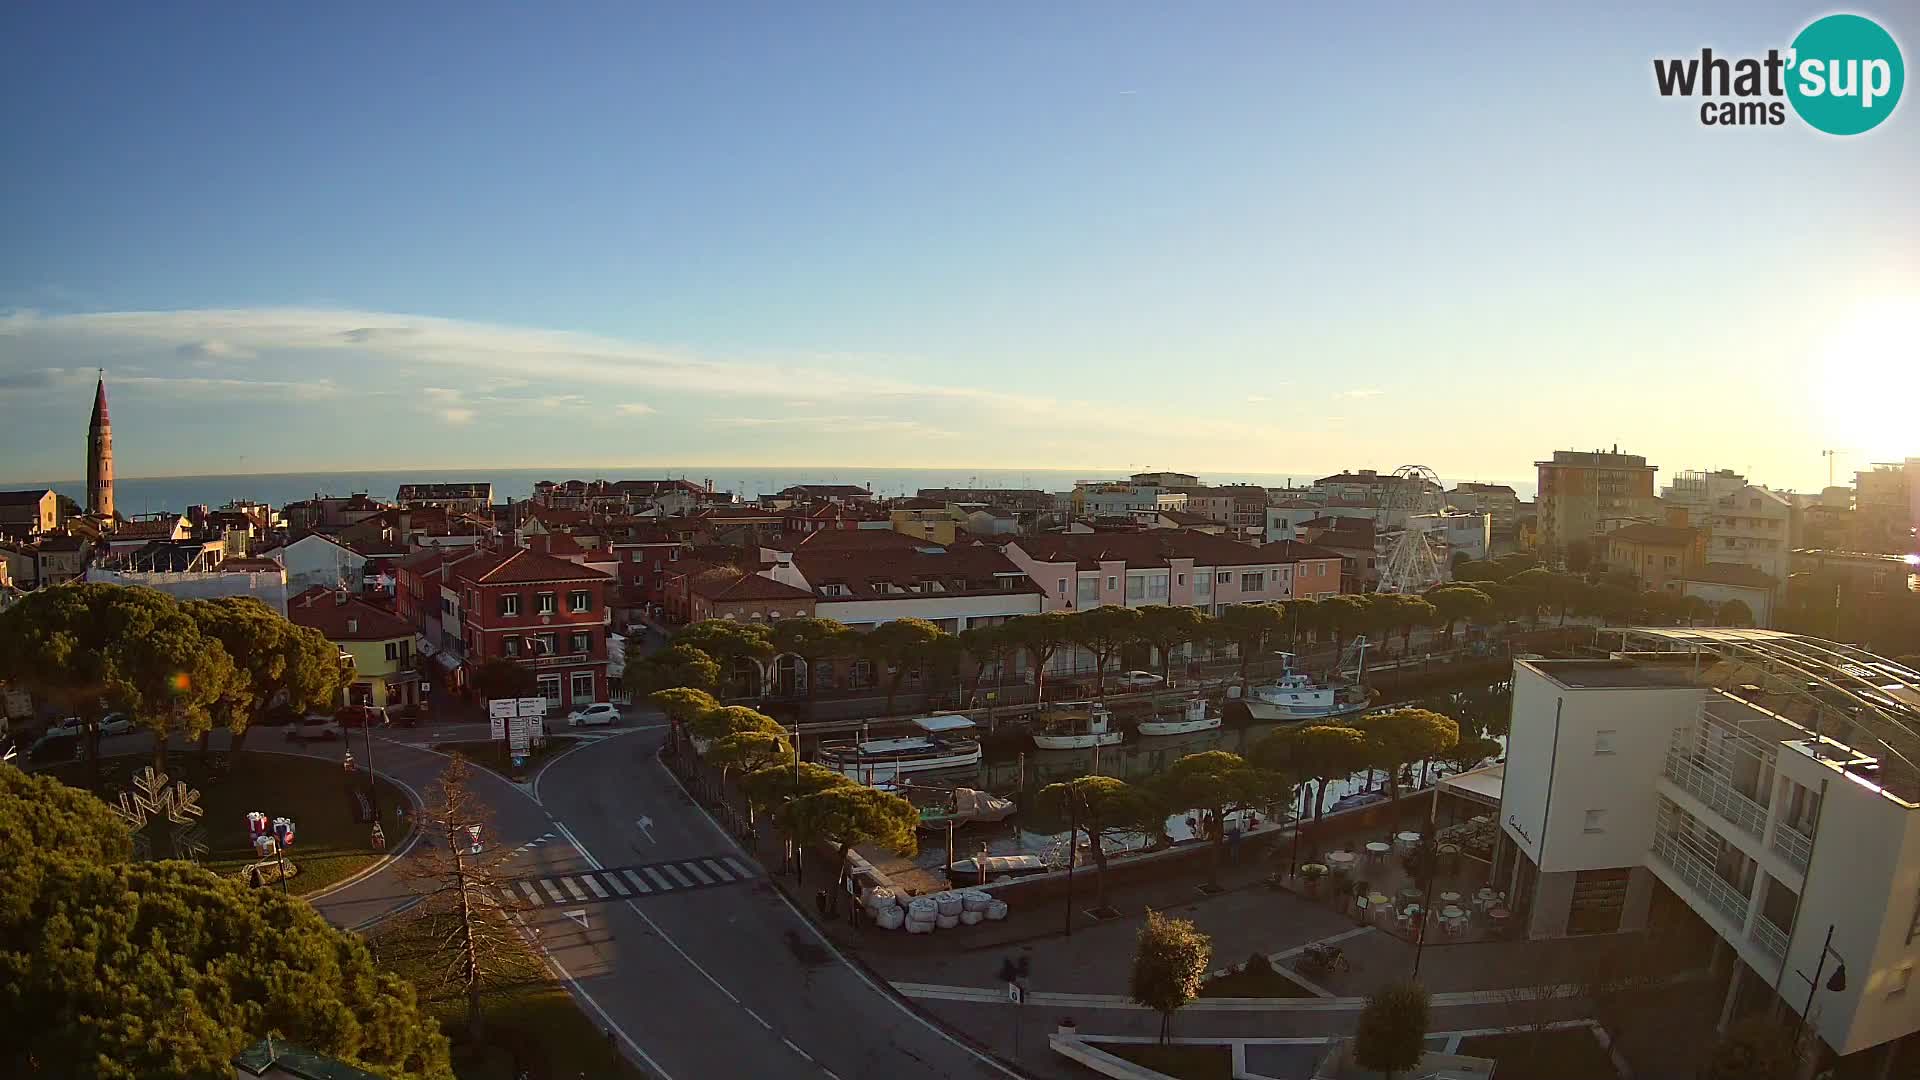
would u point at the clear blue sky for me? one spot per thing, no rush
(1248, 238)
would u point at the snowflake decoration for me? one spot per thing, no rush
(178, 809)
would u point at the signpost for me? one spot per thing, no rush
(1013, 971)
(520, 722)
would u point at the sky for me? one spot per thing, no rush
(1247, 238)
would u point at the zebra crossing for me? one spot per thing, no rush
(627, 882)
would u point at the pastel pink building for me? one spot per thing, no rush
(1076, 571)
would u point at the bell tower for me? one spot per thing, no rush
(100, 454)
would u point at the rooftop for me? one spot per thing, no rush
(341, 617)
(522, 566)
(1659, 535)
(1734, 574)
(24, 497)
(1617, 674)
(1140, 550)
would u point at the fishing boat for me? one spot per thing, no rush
(1296, 696)
(1075, 725)
(1193, 715)
(964, 807)
(943, 744)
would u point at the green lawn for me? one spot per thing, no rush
(1560, 1054)
(1178, 1060)
(531, 1020)
(1242, 984)
(488, 754)
(329, 846)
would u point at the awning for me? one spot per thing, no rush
(943, 722)
(447, 660)
(1481, 785)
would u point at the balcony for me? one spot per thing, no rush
(1792, 845)
(1771, 939)
(1720, 796)
(1727, 900)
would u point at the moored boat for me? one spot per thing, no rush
(944, 745)
(1075, 725)
(1193, 715)
(966, 806)
(1296, 696)
(998, 867)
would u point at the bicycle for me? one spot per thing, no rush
(1322, 960)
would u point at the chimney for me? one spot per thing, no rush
(405, 521)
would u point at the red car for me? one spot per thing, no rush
(361, 716)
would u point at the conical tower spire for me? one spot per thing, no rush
(100, 454)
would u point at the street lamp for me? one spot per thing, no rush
(1836, 982)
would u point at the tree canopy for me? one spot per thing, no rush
(1319, 752)
(1756, 1048)
(1400, 736)
(1248, 627)
(1167, 627)
(898, 646)
(1104, 631)
(683, 704)
(677, 665)
(497, 677)
(1170, 958)
(1041, 635)
(273, 657)
(1101, 808)
(1392, 1034)
(162, 970)
(851, 814)
(1221, 783)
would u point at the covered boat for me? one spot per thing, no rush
(998, 867)
(946, 743)
(965, 807)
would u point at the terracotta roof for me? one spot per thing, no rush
(246, 565)
(521, 566)
(354, 620)
(1181, 517)
(912, 503)
(1658, 535)
(1485, 489)
(1141, 550)
(141, 530)
(858, 540)
(1295, 551)
(721, 587)
(959, 570)
(803, 490)
(1734, 574)
(26, 497)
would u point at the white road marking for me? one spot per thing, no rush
(734, 865)
(699, 874)
(757, 1016)
(637, 883)
(677, 875)
(527, 887)
(719, 871)
(593, 883)
(560, 969)
(617, 885)
(664, 884)
(578, 915)
(795, 1047)
(574, 888)
(551, 891)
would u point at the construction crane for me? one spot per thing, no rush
(1830, 455)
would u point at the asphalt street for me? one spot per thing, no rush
(721, 978)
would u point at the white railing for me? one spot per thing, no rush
(1792, 845)
(1713, 789)
(1693, 870)
(1771, 939)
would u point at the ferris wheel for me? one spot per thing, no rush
(1414, 562)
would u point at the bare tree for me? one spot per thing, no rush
(468, 899)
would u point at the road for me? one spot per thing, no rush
(705, 978)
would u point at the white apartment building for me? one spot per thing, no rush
(1752, 527)
(1470, 534)
(1119, 500)
(1765, 780)
(1698, 491)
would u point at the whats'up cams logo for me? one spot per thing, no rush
(1842, 74)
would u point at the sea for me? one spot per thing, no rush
(155, 494)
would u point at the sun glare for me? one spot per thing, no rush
(1866, 376)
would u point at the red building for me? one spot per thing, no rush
(547, 614)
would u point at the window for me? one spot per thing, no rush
(1603, 741)
(1225, 577)
(550, 688)
(1595, 822)
(579, 600)
(860, 675)
(393, 650)
(1322, 572)
(540, 645)
(543, 603)
(1112, 583)
(580, 643)
(1061, 588)
(1253, 582)
(1203, 584)
(673, 555)
(582, 687)
(511, 646)
(1179, 579)
(1136, 586)
(510, 604)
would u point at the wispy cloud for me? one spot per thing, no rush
(1255, 399)
(634, 408)
(833, 424)
(1363, 392)
(213, 349)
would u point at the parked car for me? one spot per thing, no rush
(312, 728)
(54, 746)
(1357, 800)
(361, 716)
(111, 724)
(593, 715)
(1138, 680)
(407, 715)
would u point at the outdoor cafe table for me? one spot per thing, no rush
(1377, 851)
(1498, 915)
(1449, 897)
(1484, 898)
(1408, 840)
(1341, 860)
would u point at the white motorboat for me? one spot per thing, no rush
(1295, 696)
(1075, 725)
(944, 745)
(1191, 717)
(999, 867)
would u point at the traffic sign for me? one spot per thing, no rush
(502, 707)
(531, 706)
(1014, 992)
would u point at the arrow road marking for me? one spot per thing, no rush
(646, 826)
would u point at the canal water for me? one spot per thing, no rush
(1478, 709)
